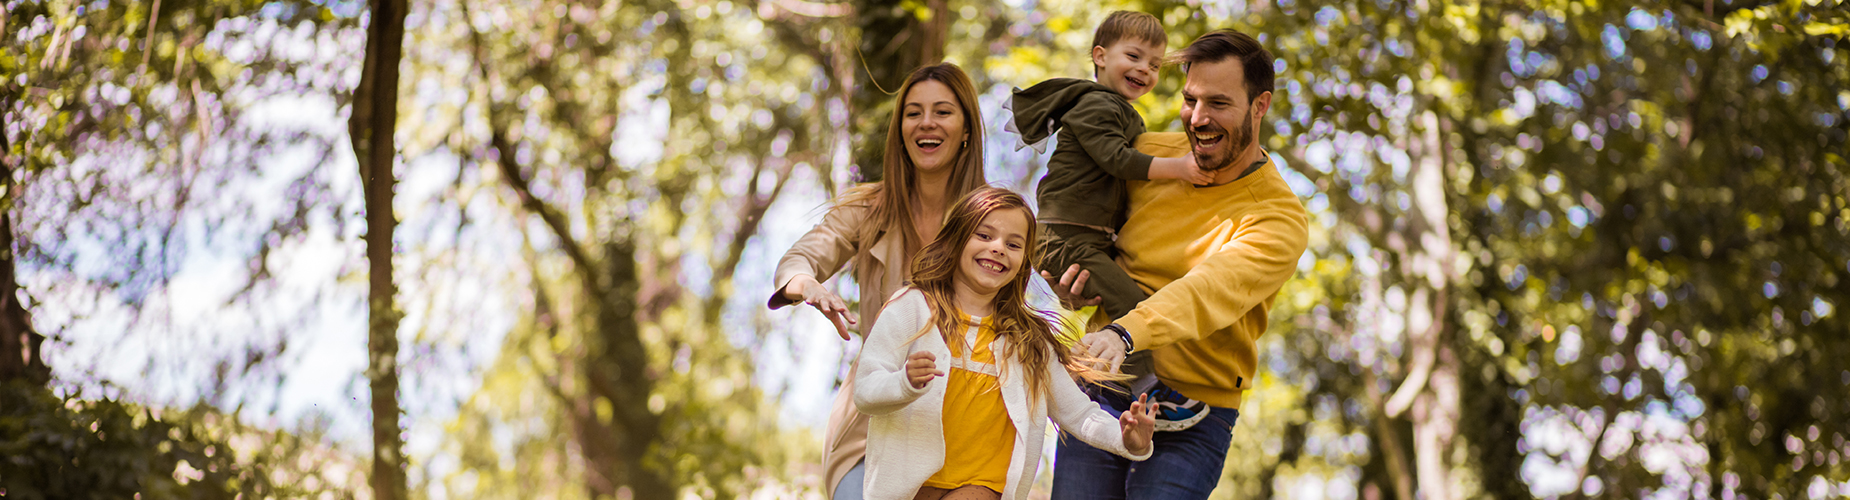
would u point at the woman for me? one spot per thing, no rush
(934, 155)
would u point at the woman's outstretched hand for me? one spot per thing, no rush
(805, 288)
(921, 366)
(1138, 425)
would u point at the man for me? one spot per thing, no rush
(1214, 256)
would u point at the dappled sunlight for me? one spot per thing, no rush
(1556, 249)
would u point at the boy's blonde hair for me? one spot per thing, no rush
(1124, 24)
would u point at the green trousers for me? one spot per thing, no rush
(1063, 245)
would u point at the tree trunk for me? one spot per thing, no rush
(20, 358)
(371, 127)
(1431, 390)
(894, 41)
(618, 374)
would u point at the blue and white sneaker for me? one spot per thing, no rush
(1175, 412)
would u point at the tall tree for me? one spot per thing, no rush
(21, 346)
(896, 37)
(124, 126)
(645, 394)
(371, 127)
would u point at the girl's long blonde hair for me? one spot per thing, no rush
(1028, 332)
(890, 201)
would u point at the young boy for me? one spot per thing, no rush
(1083, 196)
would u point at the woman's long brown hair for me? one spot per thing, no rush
(1029, 332)
(892, 199)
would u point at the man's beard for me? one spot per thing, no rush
(1240, 138)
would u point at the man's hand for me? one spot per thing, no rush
(1106, 347)
(921, 367)
(1138, 425)
(1071, 287)
(805, 288)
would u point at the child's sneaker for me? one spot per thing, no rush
(1174, 411)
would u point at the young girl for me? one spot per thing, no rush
(978, 433)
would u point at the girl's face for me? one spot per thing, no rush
(994, 253)
(932, 124)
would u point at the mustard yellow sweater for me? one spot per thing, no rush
(1212, 258)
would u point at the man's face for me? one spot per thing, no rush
(1220, 121)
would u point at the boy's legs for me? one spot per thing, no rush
(1063, 245)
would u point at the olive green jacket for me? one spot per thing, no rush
(1094, 154)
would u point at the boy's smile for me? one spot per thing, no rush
(1129, 66)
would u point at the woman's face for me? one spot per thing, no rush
(932, 124)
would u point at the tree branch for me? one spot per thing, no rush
(509, 166)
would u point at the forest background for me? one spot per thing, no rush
(496, 249)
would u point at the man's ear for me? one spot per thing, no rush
(1262, 104)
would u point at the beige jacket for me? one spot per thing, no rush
(821, 253)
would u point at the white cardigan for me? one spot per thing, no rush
(905, 443)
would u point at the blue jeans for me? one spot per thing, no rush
(851, 487)
(1186, 464)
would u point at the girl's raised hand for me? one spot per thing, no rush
(921, 366)
(1138, 425)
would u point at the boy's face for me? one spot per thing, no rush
(1128, 66)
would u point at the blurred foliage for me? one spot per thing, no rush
(74, 448)
(619, 377)
(1560, 248)
(132, 144)
(1627, 262)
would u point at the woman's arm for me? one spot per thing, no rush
(882, 382)
(815, 257)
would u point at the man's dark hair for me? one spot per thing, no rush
(1218, 45)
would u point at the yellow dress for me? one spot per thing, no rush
(978, 436)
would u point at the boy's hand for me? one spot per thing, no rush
(1182, 168)
(922, 366)
(1195, 175)
(1138, 425)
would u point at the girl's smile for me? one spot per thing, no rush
(993, 255)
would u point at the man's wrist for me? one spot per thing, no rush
(1123, 335)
